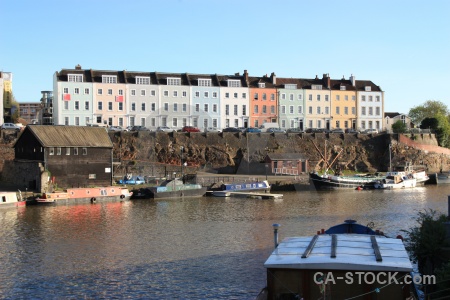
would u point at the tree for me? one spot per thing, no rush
(428, 110)
(425, 242)
(399, 127)
(429, 123)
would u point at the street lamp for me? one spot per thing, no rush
(181, 149)
(267, 167)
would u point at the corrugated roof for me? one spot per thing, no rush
(286, 156)
(71, 136)
(353, 252)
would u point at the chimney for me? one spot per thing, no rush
(245, 75)
(326, 80)
(317, 77)
(78, 67)
(353, 80)
(273, 77)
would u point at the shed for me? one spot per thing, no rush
(68, 156)
(287, 163)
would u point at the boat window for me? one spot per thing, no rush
(67, 151)
(51, 151)
(75, 151)
(84, 151)
(58, 151)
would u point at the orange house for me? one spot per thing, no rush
(263, 102)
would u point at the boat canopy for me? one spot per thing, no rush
(352, 252)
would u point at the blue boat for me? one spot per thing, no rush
(246, 186)
(133, 180)
(350, 226)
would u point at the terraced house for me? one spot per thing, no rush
(152, 99)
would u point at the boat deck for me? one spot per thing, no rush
(244, 194)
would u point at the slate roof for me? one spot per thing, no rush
(70, 136)
(286, 156)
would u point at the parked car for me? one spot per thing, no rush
(115, 128)
(294, 130)
(139, 128)
(252, 130)
(351, 130)
(371, 131)
(164, 129)
(212, 129)
(190, 129)
(11, 126)
(338, 130)
(276, 130)
(231, 129)
(242, 129)
(128, 128)
(316, 130)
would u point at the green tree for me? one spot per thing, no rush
(428, 110)
(429, 123)
(425, 242)
(399, 127)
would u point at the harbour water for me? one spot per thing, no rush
(201, 248)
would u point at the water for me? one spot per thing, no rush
(203, 248)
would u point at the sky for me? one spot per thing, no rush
(401, 46)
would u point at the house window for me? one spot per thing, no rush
(363, 98)
(227, 95)
(318, 97)
(291, 109)
(65, 90)
(197, 107)
(74, 78)
(142, 80)
(283, 96)
(110, 105)
(184, 107)
(377, 98)
(110, 92)
(234, 83)
(346, 110)
(206, 94)
(363, 111)
(166, 106)
(120, 106)
(86, 105)
(66, 105)
(142, 92)
(244, 109)
(197, 94)
(214, 94)
(215, 108)
(77, 105)
(261, 85)
(77, 121)
(206, 108)
(255, 109)
(235, 95)
(338, 110)
(235, 110)
(272, 109)
(99, 119)
(173, 81)
(227, 110)
(310, 109)
(377, 110)
(76, 91)
(283, 109)
(184, 94)
(120, 121)
(264, 96)
(300, 109)
(100, 92)
(310, 97)
(318, 109)
(133, 106)
(86, 91)
(175, 93)
(51, 151)
(133, 92)
(109, 79)
(338, 97)
(264, 109)
(153, 106)
(244, 95)
(272, 97)
(84, 151)
(256, 96)
(121, 92)
(204, 82)
(166, 93)
(143, 106)
(175, 107)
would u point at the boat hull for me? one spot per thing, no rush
(337, 182)
(188, 193)
(84, 195)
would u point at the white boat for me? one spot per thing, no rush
(407, 178)
(336, 266)
(11, 199)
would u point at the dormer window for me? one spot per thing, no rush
(142, 80)
(75, 78)
(262, 85)
(204, 82)
(316, 87)
(234, 83)
(368, 88)
(109, 79)
(173, 81)
(290, 86)
(343, 88)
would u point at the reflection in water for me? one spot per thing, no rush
(185, 248)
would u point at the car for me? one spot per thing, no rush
(351, 130)
(115, 128)
(139, 128)
(252, 130)
(212, 129)
(242, 129)
(337, 130)
(190, 129)
(276, 130)
(128, 128)
(371, 131)
(294, 130)
(164, 129)
(11, 126)
(316, 130)
(231, 129)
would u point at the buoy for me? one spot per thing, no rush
(358, 188)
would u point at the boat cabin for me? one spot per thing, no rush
(338, 266)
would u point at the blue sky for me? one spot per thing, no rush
(402, 46)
